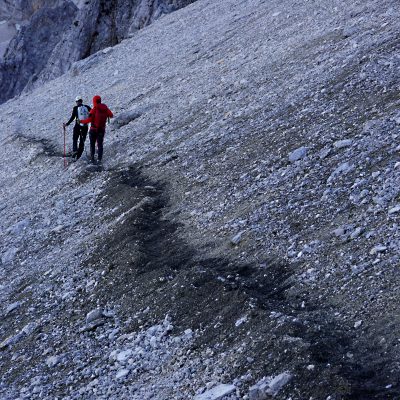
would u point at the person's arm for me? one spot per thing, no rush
(88, 120)
(109, 113)
(73, 116)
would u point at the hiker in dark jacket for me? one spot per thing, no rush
(98, 118)
(80, 111)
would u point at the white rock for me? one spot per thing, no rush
(237, 238)
(122, 373)
(339, 232)
(216, 393)
(9, 255)
(240, 321)
(267, 387)
(342, 169)
(377, 249)
(52, 361)
(343, 143)
(358, 324)
(278, 383)
(124, 355)
(13, 307)
(29, 328)
(298, 154)
(10, 340)
(153, 342)
(394, 210)
(356, 233)
(93, 315)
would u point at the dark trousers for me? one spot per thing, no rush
(80, 132)
(96, 136)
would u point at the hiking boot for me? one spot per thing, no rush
(74, 154)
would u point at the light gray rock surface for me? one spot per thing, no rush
(228, 90)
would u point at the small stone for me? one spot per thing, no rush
(343, 143)
(13, 307)
(278, 383)
(358, 324)
(52, 361)
(377, 249)
(356, 233)
(298, 154)
(216, 393)
(339, 232)
(58, 229)
(237, 238)
(10, 340)
(240, 321)
(394, 210)
(93, 315)
(342, 169)
(124, 355)
(122, 373)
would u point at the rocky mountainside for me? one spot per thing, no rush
(242, 240)
(56, 33)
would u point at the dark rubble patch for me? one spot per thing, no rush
(46, 146)
(148, 264)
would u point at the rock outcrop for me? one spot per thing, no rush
(60, 33)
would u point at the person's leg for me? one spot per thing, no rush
(75, 137)
(92, 137)
(82, 138)
(100, 140)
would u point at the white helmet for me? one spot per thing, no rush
(78, 98)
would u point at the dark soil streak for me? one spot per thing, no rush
(149, 264)
(47, 146)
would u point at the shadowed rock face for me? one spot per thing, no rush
(29, 51)
(58, 33)
(20, 10)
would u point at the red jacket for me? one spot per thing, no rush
(98, 115)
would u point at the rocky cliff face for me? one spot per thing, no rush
(56, 33)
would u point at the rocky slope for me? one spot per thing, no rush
(242, 241)
(53, 34)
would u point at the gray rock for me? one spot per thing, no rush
(278, 383)
(52, 361)
(356, 233)
(235, 240)
(357, 324)
(349, 31)
(342, 169)
(126, 117)
(394, 210)
(13, 307)
(11, 340)
(377, 249)
(268, 387)
(216, 393)
(343, 143)
(94, 315)
(122, 373)
(298, 154)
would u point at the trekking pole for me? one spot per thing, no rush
(65, 150)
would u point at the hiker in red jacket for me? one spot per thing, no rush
(97, 117)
